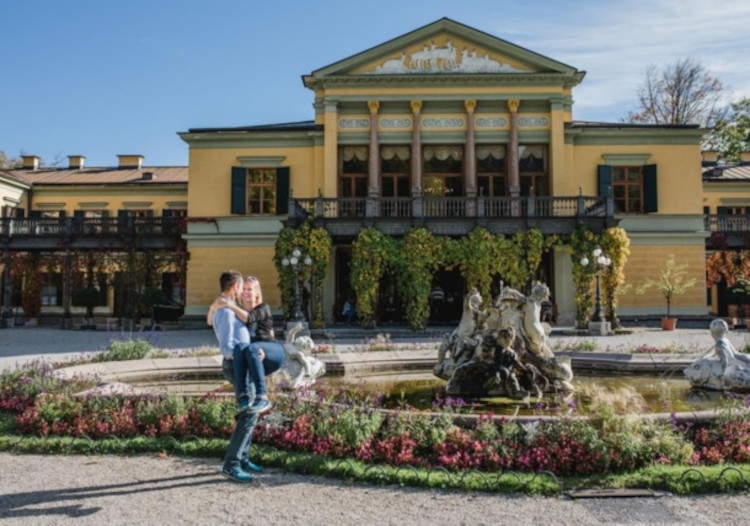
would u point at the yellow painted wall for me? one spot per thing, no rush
(211, 169)
(725, 194)
(115, 197)
(645, 261)
(679, 185)
(207, 263)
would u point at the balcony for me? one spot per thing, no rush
(345, 217)
(90, 233)
(727, 223)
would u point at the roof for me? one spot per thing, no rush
(280, 126)
(7, 176)
(729, 172)
(101, 175)
(596, 124)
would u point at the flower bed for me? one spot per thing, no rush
(337, 424)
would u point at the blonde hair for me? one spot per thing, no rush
(256, 283)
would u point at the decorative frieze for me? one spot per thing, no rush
(490, 122)
(533, 122)
(442, 122)
(395, 123)
(345, 124)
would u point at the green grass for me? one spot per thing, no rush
(682, 480)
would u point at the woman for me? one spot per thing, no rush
(258, 317)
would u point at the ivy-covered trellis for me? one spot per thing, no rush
(480, 257)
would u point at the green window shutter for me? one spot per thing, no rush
(282, 190)
(650, 197)
(603, 179)
(239, 185)
(35, 214)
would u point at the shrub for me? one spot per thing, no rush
(121, 350)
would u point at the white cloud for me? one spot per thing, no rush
(615, 42)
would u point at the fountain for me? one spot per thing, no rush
(722, 368)
(502, 350)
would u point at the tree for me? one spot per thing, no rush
(731, 135)
(8, 162)
(683, 92)
(672, 281)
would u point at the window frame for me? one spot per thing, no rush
(263, 186)
(627, 184)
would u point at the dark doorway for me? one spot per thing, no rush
(446, 297)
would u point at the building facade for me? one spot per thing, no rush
(445, 127)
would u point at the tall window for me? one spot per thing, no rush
(353, 171)
(491, 170)
(443, 170)
(532, 167)
(627, 186)
(52, 290)
(261, 191)
(395, 167)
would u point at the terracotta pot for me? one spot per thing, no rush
(733, 311)
(669, 324)
(747, 324)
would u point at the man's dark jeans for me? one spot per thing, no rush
(242, 436)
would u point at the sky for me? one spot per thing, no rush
(106, 77)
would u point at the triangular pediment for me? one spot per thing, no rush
(445, 47)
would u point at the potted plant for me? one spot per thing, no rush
(742, 286)
(87, 297)
(672, 281)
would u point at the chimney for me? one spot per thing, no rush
(745, 157)
(30, 162)
(133, 162)
(76, 162)
(710, 156)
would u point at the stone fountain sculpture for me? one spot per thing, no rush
(502, 350)
(722, 368)
(300, 369)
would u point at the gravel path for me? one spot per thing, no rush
(112, 490)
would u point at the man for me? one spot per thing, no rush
(234, 342)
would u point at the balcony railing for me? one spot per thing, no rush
(727, 223)
(454, 207)
(91, 227)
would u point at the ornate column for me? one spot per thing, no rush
(514, 179)
(470, 158)
(330, 148)
(416, 157)
(6, 313)
(373, 172)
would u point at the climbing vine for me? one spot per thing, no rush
(478, 257)
(727, 266)
(523, 256)
(616, 244)
(582, 243)
(372, 253)
(315, 243)
(419, 257)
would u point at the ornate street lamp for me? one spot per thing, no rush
(298, 263)
(599, 261)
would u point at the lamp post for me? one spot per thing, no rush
(298, 262)
(599, 261)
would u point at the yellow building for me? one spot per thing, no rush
(67, 228)
(449, 110)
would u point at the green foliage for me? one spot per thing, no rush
(732, 134)
(523, 255)
(121, 350)
(350, 427)
(478, 257)
(616, 244)
(582, 243)
(372, 254)
(418, 258)
(315, 243)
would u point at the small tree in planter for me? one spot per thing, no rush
(672, 282)
(150, 298)
(87, 297)
(743, 287)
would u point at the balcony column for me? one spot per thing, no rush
(416, 157)
(470, 158)
(6, 314)
(514, 178)
(67, 289)
(373, 173)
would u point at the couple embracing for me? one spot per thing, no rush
(243, 325)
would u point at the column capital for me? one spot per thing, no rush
(470, 105)
(513, 105)
(330, 105)
(373, 106)
(416, 106)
